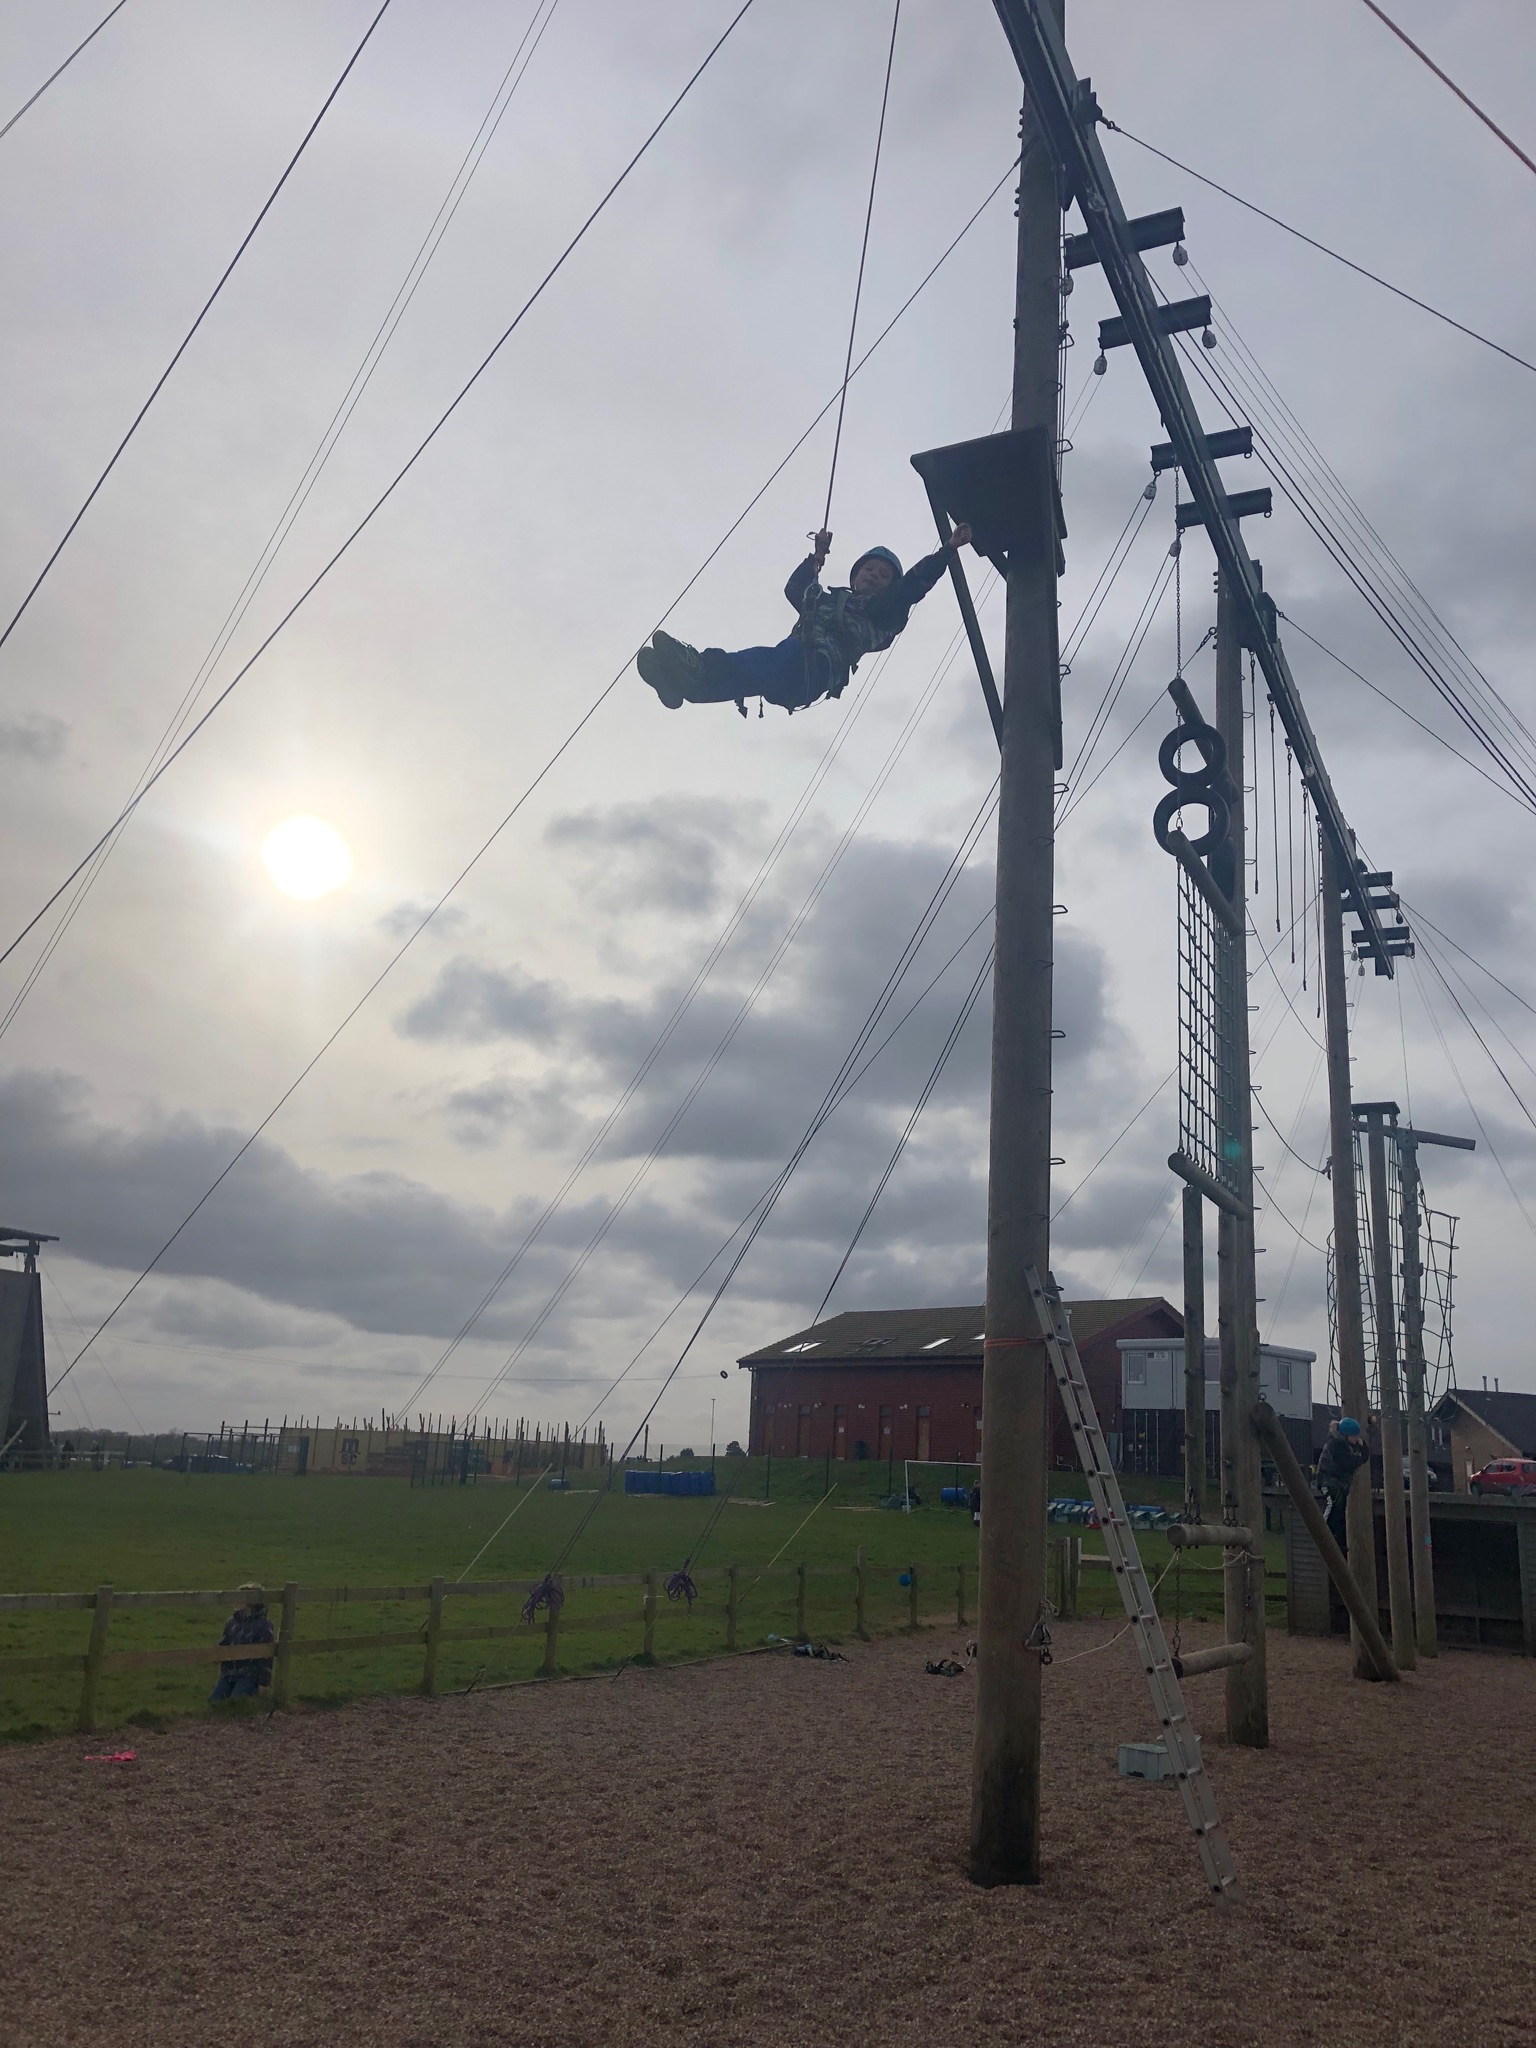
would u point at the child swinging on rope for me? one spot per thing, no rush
(836, 629)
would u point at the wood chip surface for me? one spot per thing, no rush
(771, 1850)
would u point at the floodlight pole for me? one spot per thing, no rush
(1005, 1781)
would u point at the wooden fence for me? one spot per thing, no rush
(554, 1625)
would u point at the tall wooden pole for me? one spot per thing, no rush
(1242, 1497)
(1399, 1589)
(1353, 1391)
(1005, 1775)
(1194, 1356)
(1425, 1632)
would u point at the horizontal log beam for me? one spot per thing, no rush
(1189, 1535)
(1221, 1658)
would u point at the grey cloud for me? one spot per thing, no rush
(33, 736)
(403, 918)
(665, 855)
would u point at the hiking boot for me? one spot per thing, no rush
(656, 670)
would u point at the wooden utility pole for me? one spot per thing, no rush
(1005, 1776)
(1384, 1295)
(1242, 1497)
(1410, 1189)
(1194, 1356)
(1349, 1315)
(1425, 1633)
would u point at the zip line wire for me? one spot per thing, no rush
(486, 845)
(74, 53)
(223, 696)
(186, 340)
(1425, 58)
(858, 289)
(1323, 249)
(302, 491)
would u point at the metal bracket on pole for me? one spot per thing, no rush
(972, 624)
(1067, 116)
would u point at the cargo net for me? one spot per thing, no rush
(1209, 1134)
(1437, 1249)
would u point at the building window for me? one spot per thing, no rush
(1283, 1374)
(1136, 1368)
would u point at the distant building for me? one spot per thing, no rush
(1152, 1402)
(1482, 1427)
(894, 1384)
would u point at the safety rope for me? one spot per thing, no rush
(858, 289)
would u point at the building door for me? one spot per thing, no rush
(924, 1434)
(887, 1440)
(839, 1432)
(803, 1431)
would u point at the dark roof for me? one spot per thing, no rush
(1512, 1415)
(931, 1335)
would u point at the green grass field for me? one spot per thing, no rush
(145, 1530)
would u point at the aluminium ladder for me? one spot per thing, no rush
(1157, 1661)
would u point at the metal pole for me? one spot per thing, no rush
(1194, 1356)
(1242, 1499)
(1413, 1367)
(1005, 1766)
(1399, 1587)
(1359, 1522)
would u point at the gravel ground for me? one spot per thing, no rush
(770, 1850)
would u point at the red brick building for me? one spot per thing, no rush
(906, 1383)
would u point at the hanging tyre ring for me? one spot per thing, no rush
(1213, 758)
(1209, 800)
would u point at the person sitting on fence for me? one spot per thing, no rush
(1345, 1451)
(242, 1679)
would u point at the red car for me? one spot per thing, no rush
(1506, 1475)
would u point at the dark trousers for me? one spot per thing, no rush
(778, 674)
(238, 1682)
(1338, 1501)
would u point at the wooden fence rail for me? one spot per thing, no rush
(553, 1624)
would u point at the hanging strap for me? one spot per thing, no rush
(869, 214)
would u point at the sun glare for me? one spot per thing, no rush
(307, 858)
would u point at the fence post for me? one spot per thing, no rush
(960, 1595)
(858, 1599)
(731, 1609)
(550, 1668)
(800, 1634)
(648, 1652)
(101, 1621)
(1074, 1573)
(912, 1596)
(283, 1660)
(434, 1630)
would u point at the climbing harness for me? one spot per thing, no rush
(858, 289)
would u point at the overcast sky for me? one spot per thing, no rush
(667, 370)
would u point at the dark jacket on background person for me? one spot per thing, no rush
(1340, 1459)
(242, 1678)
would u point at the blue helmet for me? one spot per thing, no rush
(876, 555)
(1348, 1426)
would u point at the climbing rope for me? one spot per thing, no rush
(858, 289)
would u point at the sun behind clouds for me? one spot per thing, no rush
(307, 858)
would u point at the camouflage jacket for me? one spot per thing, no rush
(249, 1625)
(839, 629)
